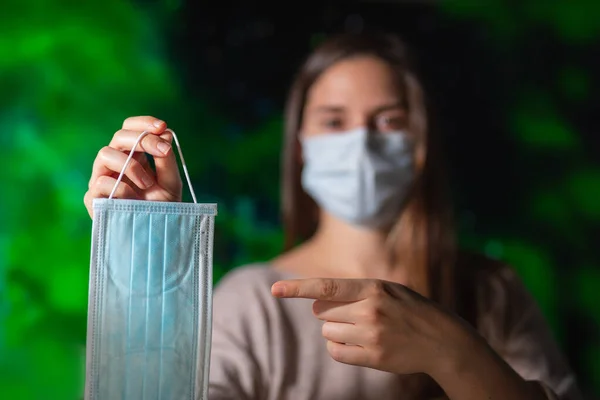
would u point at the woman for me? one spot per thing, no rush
(405, 315)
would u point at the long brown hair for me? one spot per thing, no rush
(423, 236)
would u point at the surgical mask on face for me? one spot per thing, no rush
(359, 176)
(150, 298)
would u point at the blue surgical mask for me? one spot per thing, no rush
(359, 176)
(150, 299)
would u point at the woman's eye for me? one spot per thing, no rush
(391, 123)
(332, 123)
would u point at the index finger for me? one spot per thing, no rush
(324, 289)
(145, 123)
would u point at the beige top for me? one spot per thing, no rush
(272, 349)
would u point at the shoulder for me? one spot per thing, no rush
(504, 307)
(489, 289)
(471, 265)
(479, 271)
(511, 321)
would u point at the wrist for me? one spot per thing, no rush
(456, 352)
(472, 370)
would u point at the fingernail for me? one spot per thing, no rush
(278, 290)
(158, 123)
(163, 147)
(147, 181)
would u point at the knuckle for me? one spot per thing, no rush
(377, 288)
(101, 182)
(377, 302)
(375, 337)
(116, 135)
(325, 330)
(102, 179)
(103, 153)
(329, 288)
(372, 315)
(96, 185)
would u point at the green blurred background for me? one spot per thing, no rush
(513, 85)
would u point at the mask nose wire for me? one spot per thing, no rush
(128, 161)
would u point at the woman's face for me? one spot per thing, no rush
(357, 92)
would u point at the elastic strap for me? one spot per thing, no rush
(139, 139)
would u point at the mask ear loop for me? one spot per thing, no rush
(128, 161)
